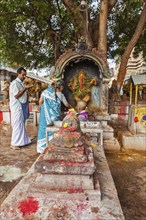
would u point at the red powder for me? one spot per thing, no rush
(68, 128)
(65, 163)
(75, 190)
(61, 162)
(79, 190)
(51, 161)
(80, 150)
(69, 163)
(28, 206)
(81, 207)
(72, 190)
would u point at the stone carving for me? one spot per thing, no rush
(69, 149)
(81, 85)
(68, 143)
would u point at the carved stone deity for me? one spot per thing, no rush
(80, 85)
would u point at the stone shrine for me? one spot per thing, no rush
(67, 182)
(68, 154)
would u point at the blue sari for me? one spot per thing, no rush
(50, 112)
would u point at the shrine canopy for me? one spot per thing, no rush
(86, 76)
(138, 79)
(89, 58)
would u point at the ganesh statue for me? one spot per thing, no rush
(81, 85)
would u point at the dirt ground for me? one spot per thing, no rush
(127, 168)
(14, 163)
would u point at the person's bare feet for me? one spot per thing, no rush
(15, 147)
(32, 138)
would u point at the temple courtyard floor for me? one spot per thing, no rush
(128, 169)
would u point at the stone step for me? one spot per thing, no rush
(78, 183)
(132, 141)
(108, 135)
(111, 145)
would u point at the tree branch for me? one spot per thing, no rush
(130, 46)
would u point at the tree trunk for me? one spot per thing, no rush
(102, 40)
(82, 18)
(57, 43)
(94, 25)
(133, 41)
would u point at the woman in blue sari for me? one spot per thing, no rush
(50, 109)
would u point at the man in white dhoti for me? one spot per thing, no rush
(19, 110)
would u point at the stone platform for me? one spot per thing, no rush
(44, 197)
(103, 132)
(65, 167)
(132, 141)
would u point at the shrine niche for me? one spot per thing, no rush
(85, 74)
(80, 85)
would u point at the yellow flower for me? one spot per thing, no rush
(72, 110)
(93, 145)
(65, 125)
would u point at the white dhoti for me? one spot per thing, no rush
(19, 134)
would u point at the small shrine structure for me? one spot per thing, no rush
(86, 76)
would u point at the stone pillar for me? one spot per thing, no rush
(104, 98)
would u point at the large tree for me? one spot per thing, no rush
(130, 46)
(35, 33)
